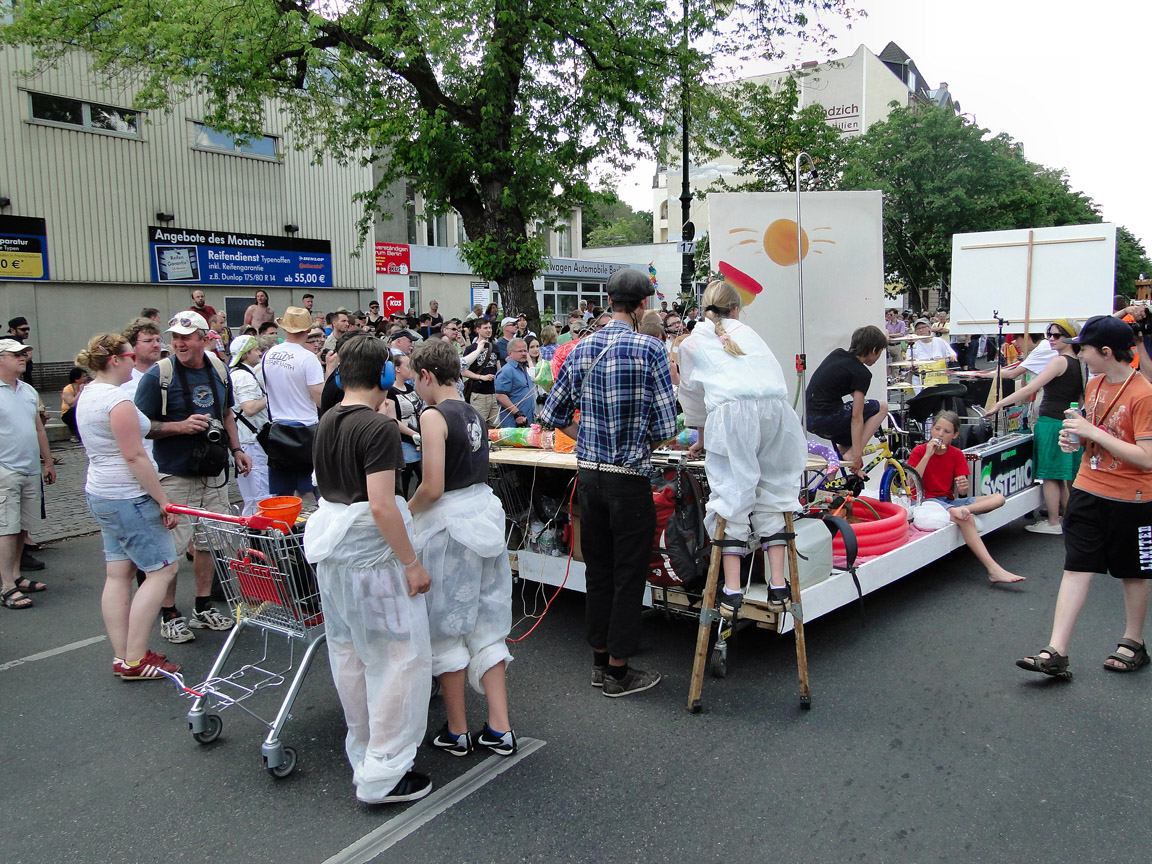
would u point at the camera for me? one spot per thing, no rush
(215, 432)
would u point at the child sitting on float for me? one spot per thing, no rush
(944, 470)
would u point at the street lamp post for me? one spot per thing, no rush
(687, 229)
(801, 358)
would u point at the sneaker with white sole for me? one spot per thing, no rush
(454, 745)
(412, 787)
(119, 665)
(501, 745)
(598, 676)
(148, 669)
(634, 681)
(175, 630)
(1044, 528)
(210, 619)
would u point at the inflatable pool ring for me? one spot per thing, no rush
(747, 287)
(876, 536)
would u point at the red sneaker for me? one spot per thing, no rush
(148, 669)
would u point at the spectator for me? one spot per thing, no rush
(547, 341)
(143, 334)
(315, 340)
(126, 498)
(19, 330)
(306, 302)
(407, 407)
(358, 541)
(522, 331)
(515, 389)
(375, 320)
(182, 395)
(23, 446)
(576, 320)
(508, 329)
(338, 321)
(251, 414)
(294, 382)
(477, 312)
(402, 341)
(259, 311)
(269, 328)
(218, 324)
(492, 312)
(436, 317)
(481, 366)
(77, 378)
(200, 307)
(425, 328)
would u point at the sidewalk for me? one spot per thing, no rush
(65, 503)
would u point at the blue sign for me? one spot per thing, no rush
(23, 248)
(197, 257)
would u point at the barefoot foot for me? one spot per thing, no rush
(1003, 576)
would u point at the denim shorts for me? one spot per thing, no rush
(133, 530)
(949, 503)
(837, 426)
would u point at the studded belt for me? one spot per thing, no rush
(610, 468)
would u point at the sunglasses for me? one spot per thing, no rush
(131, 354)
(1055, 334)
(181, 321)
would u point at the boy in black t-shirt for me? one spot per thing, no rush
(460, 531)
(848, 425)
(371, 584)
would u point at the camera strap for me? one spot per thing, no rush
(217, 402)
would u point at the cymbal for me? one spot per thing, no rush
(912, 338)
(903, 364)
(900, 387)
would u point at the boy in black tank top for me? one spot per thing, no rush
(459, 526)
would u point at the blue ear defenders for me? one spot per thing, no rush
(387, 376)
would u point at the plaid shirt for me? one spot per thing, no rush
(626, 401)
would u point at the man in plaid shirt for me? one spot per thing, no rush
(619, 379)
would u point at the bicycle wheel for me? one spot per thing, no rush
(909, 494)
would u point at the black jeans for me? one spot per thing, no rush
(617, 527)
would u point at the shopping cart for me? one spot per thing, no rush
(270, 587)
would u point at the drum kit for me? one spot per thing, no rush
(919, 389)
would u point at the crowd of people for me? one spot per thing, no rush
(384, 422)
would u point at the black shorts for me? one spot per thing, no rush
(1105, 536)
(837, 427)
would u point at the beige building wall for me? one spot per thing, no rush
(99, 192)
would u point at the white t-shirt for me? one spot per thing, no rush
(1039, 357)
(246, 387)
(129, 387)
(289, 370)
(108, 472)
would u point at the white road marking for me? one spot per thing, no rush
(44, 655)
(423, 812)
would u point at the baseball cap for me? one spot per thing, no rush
(11, 346)
(1104, 331)
(507, 321)
(404, 333)
(240, 346)
(187, 323)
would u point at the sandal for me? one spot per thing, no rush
(729, 604)
(1055, 664)
(1128, 664)
(779, 599)
(11, 602)
(30, 586)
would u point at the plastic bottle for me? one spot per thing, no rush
(547, 542)
(1073, 411)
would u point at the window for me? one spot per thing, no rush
(410, 214)
(564, 242)
(461, 234)
(208, 138)
(414, 291)
(437, 229)
(86, 115)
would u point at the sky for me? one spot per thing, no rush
(1070, 81)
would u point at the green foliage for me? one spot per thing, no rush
(608, 221)
(1131, 261)
(762, 127)
(493, 108)
(942, 176)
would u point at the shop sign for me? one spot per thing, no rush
(199, 257)
(393, 258)
(23, 248)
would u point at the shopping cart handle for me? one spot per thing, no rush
(256, 521)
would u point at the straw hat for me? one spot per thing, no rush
(296, 320)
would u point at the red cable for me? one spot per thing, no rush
(571, 550)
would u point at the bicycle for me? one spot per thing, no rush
(899, 484)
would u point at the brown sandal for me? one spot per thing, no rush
(1055, 664)
(1128, 664)
(10, 602)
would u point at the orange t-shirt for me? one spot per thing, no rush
(1129, 420)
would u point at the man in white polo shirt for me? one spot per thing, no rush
(23, 445)
(294, 380)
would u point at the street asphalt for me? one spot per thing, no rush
(924, 742)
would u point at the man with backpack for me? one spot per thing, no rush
(188, 399)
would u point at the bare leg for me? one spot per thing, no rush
(11, 546)
(1053, 491)
(202, 570)
(731, 565)
(1065, 491)
(496, 688)
(777, 566)
(1069, 602)
(962, 516)
(115, 603)
(452, 686)
(145, 607)
(1135, 611)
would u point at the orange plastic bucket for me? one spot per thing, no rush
(283, 509)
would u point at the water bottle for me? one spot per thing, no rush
(547, 542)
(1072, 437)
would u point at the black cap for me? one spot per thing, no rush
(18, 321)
(1104, 331)
(402, 333)
(629, 286)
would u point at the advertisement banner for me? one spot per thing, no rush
(481, 294)
(23, 248)
(200, 257)
(391, 302)
(394, 258)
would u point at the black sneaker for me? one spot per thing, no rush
(730, 604)
(779, 599)
(27, 562)
(501, 745)
(412, 787)
(456, 745)
(634, 681)
(598, 676)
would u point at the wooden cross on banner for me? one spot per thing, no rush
(1031, 244)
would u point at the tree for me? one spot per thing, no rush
(942, 176)
(609, 221)
(761, 127)
(1131, 261)
(494, 108)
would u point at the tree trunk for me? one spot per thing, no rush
(518, 294)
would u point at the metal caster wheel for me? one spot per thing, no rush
(212, 726)
(718, 665)
(287, 766)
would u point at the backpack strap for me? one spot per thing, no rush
(164, 367)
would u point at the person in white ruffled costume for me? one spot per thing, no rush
(733, 389)
(459, 526)
(372, 584)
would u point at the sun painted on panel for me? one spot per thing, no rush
(779, 244)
